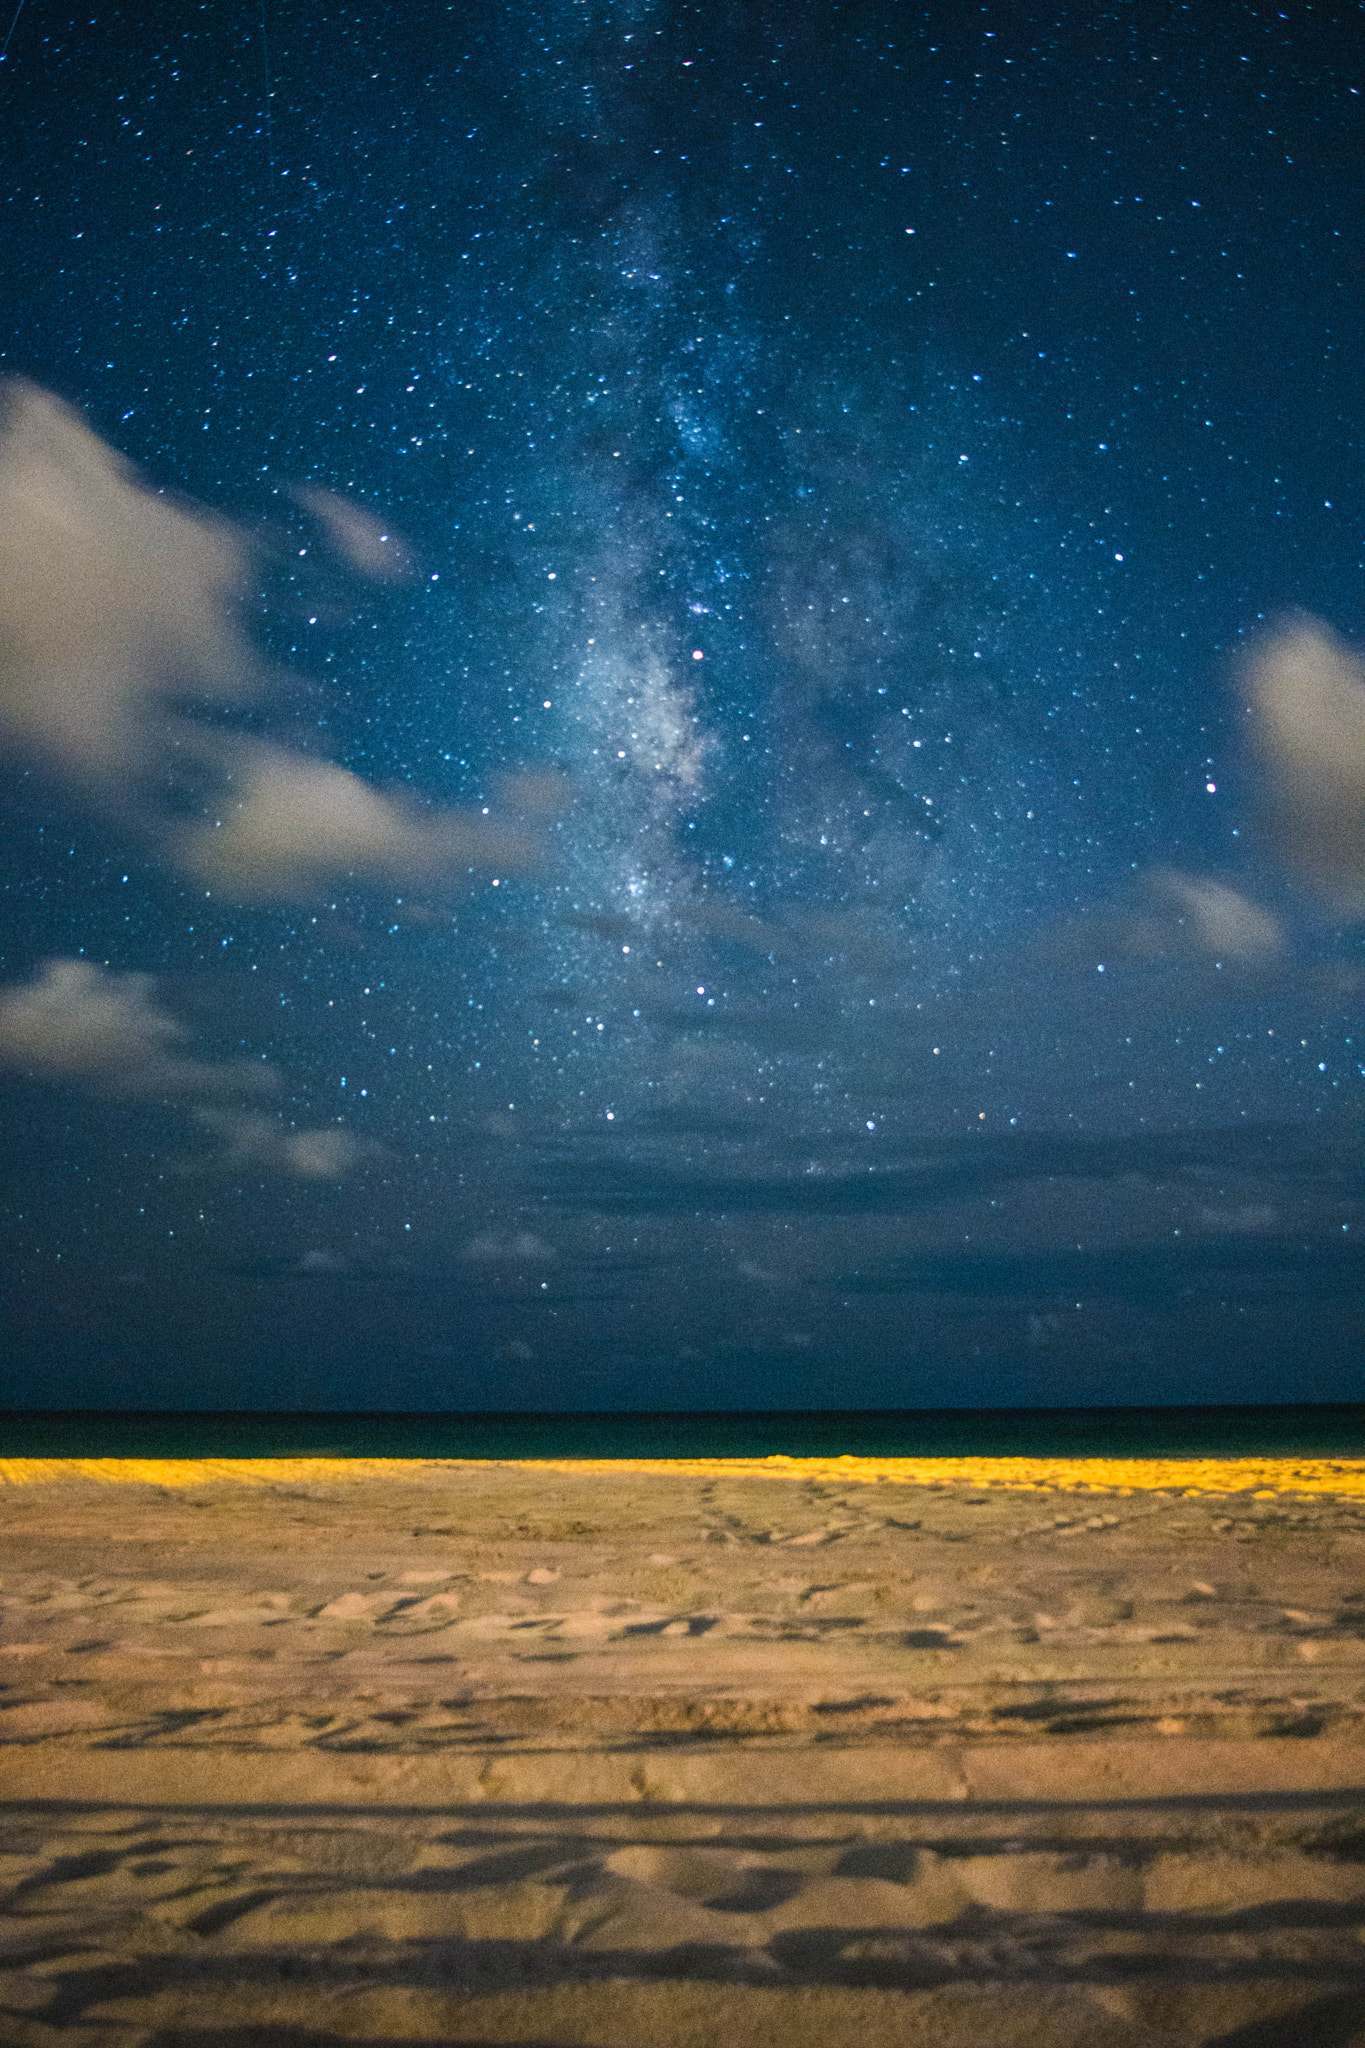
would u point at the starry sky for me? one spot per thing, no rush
(681, 712)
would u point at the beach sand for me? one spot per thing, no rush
(628, 1757)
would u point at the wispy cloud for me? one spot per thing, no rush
(513, 1248)
(104, 1033)
(326, 1152)
(1177, 916)
(1218, 918)
(370, 546)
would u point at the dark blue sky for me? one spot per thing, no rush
(712, 752)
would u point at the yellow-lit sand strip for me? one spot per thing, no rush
(1343, 1477)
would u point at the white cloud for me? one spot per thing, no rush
(370, 545)
(327, 1152)
(103, 1032)
(113, 600)
(1218, 919)
(117, 613)
(283, 823)
(78, 1022)
(1175, 916)
(1307, 691)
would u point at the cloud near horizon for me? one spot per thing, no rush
(117, 613)
(510, 1248)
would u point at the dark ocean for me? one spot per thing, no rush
(876, 1433)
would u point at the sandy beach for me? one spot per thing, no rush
(602, 1757)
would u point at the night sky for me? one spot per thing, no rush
(679, 710)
